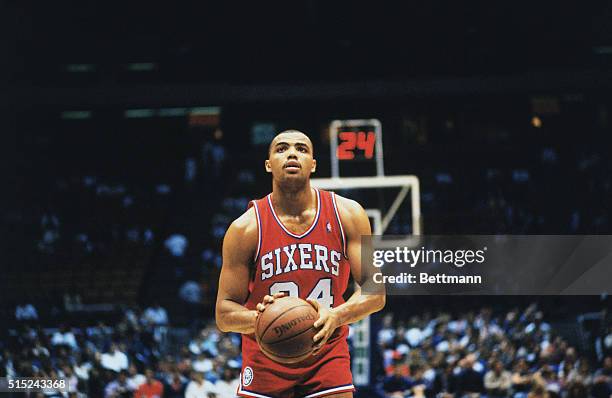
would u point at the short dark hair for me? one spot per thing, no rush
(289, 131)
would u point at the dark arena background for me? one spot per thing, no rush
(134, 133)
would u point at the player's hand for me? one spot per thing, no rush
(328, 322)
(267, 300)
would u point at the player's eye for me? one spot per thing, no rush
(302, 149)
(280, 149)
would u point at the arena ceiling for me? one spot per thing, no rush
(255, 42)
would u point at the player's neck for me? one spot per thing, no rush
(293, 202)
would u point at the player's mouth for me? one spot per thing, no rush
(292, 165)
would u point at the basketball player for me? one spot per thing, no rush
(297, 241)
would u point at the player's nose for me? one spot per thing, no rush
(292, 153)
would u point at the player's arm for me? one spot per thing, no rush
(356, 223)
(239, 246)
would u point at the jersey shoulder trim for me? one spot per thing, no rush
(342, 235)
(253, 204)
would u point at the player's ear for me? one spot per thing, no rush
(268, 166)
(314, 166)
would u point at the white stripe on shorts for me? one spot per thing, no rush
(348, 387)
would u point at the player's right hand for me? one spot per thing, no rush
(267, 300)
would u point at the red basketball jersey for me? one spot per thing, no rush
(311, 265)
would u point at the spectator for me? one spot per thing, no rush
(156, 315)
(521, 379)
(82, 369)
(213, 154)
(190, 170)
(135, 379)
(40, 351)
(64, 337)
(176, 244)
(497, 381)
(119, 387)
(577, 390)
(132, 318)
(395, 385)
(441, 383)
(548, 379)
(603, 342)
(414, 335)
(202, 364)
(151, 388)
(26, 312)
(200, 388)
(399, 364)
(97, 382)
(184, 362)
(191, 292)
(176, 387)
(228, 384)
(100, 335)
(196, 345)
(602, 380)
(72, 379)
(538, 391)
(386, 334)
(114, 360)
(418, 391)
(467, 380)
(416, 376)
(582, 375)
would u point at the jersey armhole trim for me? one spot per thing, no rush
(342, 235)
(258, 231)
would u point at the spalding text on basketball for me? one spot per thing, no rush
(287, 326)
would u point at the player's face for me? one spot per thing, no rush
(291, 158)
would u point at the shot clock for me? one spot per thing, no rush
(356, 148)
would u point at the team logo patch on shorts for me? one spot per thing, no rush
(247, 376)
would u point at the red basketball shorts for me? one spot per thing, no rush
(327, 373)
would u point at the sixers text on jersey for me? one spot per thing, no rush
(303, 256)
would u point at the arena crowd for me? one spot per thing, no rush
(478, 353)
(132, 358)
(481, 353)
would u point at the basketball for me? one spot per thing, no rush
(284, 330)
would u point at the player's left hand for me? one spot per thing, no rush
(328, 322)
(267, 300)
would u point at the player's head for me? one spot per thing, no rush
(291, 158)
